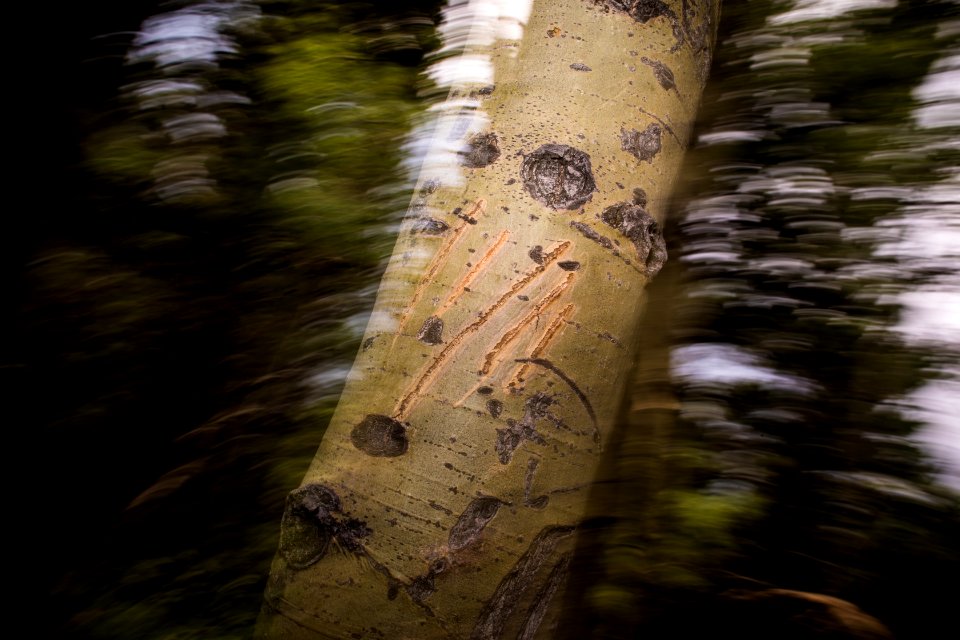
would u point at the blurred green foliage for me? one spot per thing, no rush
(186, 316)
(790, 475)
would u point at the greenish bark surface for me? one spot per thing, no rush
(446, 495)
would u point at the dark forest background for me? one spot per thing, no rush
(193, 242)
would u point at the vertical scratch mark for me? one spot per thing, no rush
(541, 602)
(438, 261)
(515, 330)
(477, 268)
(559, 321)
(493, 618)
(416, 390)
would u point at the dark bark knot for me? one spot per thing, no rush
(312, 518)
(558, 176)
(472, 521)
(646, 235)
(482, 149)
(644, 145)
(380, 436)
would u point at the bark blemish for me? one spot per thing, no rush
(483, 149)
(380, 436)
(525, 429)
(558, 176)
(472, 521)
(644, 145)
(495, 407)
(640, 197)
(569, 265)
(590, 234)
(536, 254)
(579, 66)
(430, 226)
(310, 523)
(546, 364)
(432, 331)
(638, 225)
(643, 11)
(662, 72)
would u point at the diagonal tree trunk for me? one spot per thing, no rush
(445, 497)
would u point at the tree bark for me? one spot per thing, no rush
(447, 491)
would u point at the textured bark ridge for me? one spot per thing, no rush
(449, 486)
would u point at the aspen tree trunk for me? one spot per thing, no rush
(446, 495)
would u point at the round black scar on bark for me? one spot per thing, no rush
(308, 524)
(558, 176)
(482, 149)
(638, 225)
(380, 436)
(644, 145)
(432, 331)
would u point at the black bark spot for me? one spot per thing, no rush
(495, 407)
(662, 72)
(569, 265)
(430, 226)
(536, 254)
(526, 429)
(579, 66)
(644, 11)
(380, 436)
(639, 197)
(558, 176)
(309, 524)
(485, 391)
(472, 521)
(646, 235)
(589, 233)
(368, 343)
(482, 149)
(642, 144)
(432, 331)
(487, 90)
(430, 186)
